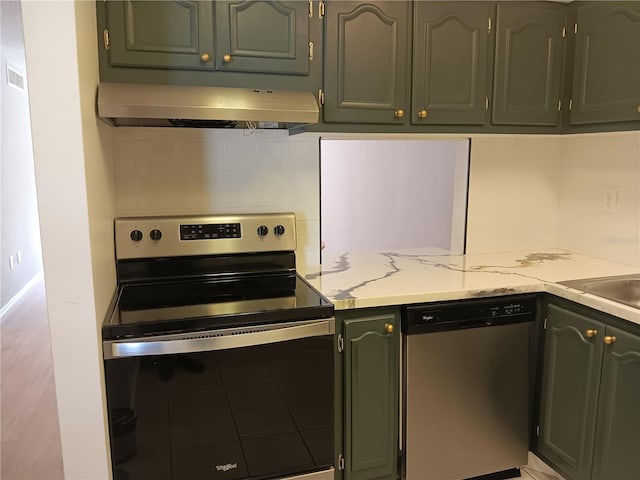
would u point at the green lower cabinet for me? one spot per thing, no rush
(371, 392)
(571, 373)
(590, 396)
(617, 445)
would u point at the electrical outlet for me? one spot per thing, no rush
(610, 199)
(11, 265)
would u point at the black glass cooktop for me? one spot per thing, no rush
(153, 308)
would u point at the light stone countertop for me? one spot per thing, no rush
(375, 279)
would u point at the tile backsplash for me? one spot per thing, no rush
(593, 166)
(536, 191)
(526, 192)
(164, 171)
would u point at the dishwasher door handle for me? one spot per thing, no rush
(218, 339)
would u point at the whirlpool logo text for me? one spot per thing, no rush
(227, 467)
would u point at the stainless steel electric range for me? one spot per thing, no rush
(218, 356)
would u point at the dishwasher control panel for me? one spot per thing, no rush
(458, 314)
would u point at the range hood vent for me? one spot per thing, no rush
(134, 104)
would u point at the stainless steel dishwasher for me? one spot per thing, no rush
(467, 388)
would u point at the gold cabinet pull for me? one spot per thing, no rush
(609, 339)
(399, 113)
(388, 328)
(423, 114)
(205, 57)
(226, 58)
(638, 108)
(591, 333)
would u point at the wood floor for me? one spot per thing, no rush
(30, 435)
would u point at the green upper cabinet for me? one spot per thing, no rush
(236, 36)
(451, 62)
(617, 443)
(606, 75)
(371, 392)
(164, 34)
(367, 62)
(262, 36)
(529, 56)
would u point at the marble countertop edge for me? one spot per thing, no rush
(605, 305)
(598, 303)
(379, 279)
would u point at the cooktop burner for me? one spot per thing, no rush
(194, 292)
(168, 307)
(187, 274)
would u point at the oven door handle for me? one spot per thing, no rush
(218, 339)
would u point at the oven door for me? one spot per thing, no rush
(245, 403)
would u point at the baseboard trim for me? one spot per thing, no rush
(36, 278)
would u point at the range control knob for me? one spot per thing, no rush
(155, 234)
(278, 230)
(263, 231)
(136, 235)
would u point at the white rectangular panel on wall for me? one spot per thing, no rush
(381, 195)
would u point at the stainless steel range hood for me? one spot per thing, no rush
(129, 104)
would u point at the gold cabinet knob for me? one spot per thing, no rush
(609, 339)
(423, 114)
(399, 113)
(591, 333)
(205, 57)
(226, 58)
(638, 108)
(388, 328)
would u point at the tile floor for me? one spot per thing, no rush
(534, 475)
(536, 469)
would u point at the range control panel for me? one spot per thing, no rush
(170, 236)
(210, 231)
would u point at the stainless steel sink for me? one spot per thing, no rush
(624, 288)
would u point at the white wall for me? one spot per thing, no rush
(69, 158)
(591, 164)
(98, 163)
(178, 171)
(391, 194)
(19, 212)
(514, 193)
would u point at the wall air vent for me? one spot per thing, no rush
(15, 78)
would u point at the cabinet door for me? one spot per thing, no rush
(606, 78)
(527, 83)
(371, 398)
(262, 36)
(571, 373)
(617, 444)
(367, 62)
(451, 62)
(164, 34)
